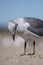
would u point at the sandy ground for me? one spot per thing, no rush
(10, 55)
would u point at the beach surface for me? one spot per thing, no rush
(10, 52)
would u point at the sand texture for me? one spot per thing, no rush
(10, 54)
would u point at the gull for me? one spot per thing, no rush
(28, 28)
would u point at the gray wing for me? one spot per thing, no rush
(36, 25)
(34, 22)
(37, 31)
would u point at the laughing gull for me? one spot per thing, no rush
(27, 28)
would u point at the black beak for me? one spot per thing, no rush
(14, 37)
(14, 32)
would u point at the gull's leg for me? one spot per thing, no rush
(33, 49)
(24, 49)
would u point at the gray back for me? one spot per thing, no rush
(36, 25)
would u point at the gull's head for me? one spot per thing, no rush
(12, 26)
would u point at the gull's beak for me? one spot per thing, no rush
(14, 37)
(14, 32)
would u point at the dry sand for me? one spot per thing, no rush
(10, 55)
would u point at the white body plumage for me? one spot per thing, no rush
(22, 30)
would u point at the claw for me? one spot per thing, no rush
(31, 54)
(22, 54)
